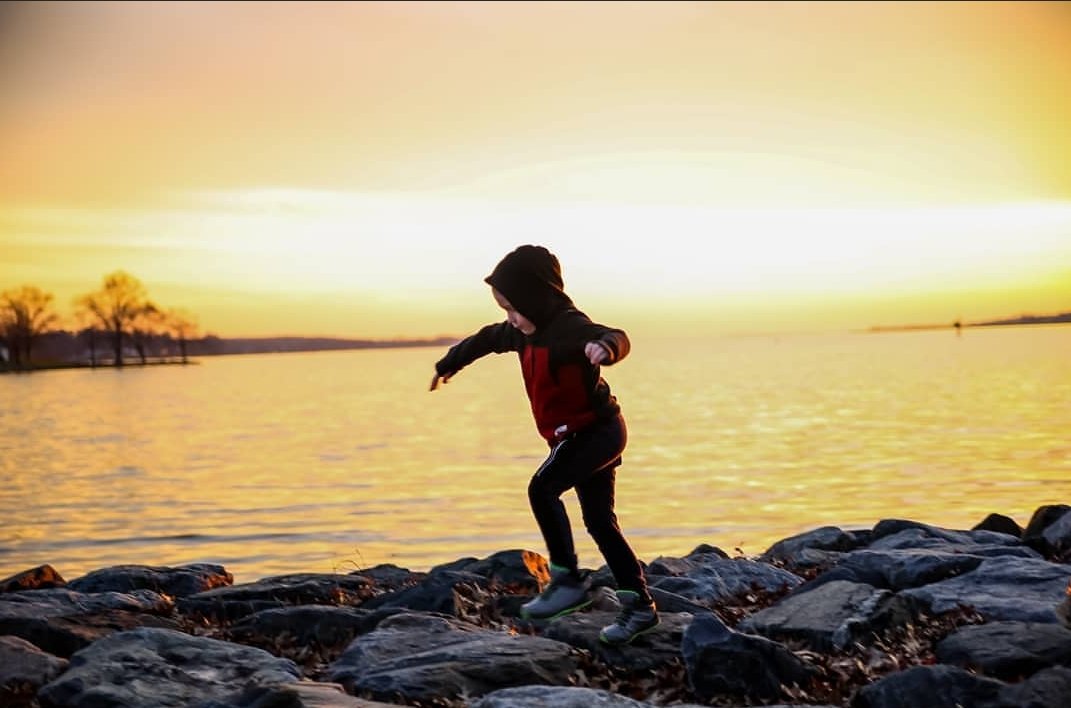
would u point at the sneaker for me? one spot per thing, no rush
(567, 592)
(637, 617)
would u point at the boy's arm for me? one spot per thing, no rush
(497, 338)
(601, 345)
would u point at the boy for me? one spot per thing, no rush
(560, 352)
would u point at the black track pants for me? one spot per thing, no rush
(586, 461)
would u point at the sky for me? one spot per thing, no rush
(356, 169)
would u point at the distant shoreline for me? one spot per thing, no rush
(1062, 318)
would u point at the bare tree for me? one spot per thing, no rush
(118, 303)
(25, 314)
(148, 322)
(182, 326)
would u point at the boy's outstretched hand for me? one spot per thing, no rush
(435, 380)
(596, 353)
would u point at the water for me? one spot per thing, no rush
(334, 461)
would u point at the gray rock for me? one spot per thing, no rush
(721, 661)
(938, 685)
(40, 578)
(1043, 517)
(178, 581)
(989, 544)
(1013, 589)
(831, 616)
(817, 548)
(302, 694)
(236, 601)
(887, 528)
(24, 668)
(420, 657)
(1000, 524)
(389, 577)
(434, 594)
(163, 668)
(307, 625)
(554, 697)
(62, 621)
(709, 579)
(519, 570)
(1048, 688)
(657, 648)
(905, 568)
(1057, 535)
(58, 601)
(1007, 650)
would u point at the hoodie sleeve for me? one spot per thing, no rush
(582, 330)
(496, 338)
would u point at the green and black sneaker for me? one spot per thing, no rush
(638, 616)
(567, 592)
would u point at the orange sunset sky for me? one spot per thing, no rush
(355, 169)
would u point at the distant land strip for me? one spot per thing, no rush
(1061, 318)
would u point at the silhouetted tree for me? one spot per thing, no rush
(182, 327)
(146, 323)
(25, 314)
(118, 303)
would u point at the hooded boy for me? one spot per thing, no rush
(561, 351)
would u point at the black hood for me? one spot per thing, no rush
(530, 277)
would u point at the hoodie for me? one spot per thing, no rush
(566, 391)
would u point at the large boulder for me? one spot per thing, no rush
(162, 668)
(421, 657)
(62, 621)
(1048, 688)
(650, 651)
(315, 626)
(24, 668)
(938, 685)
(304, 694)
(818, 548)
(555, 697)
(1007, 650)
(831, 616)
(1001, 588)
(237, 601)
(177, 582)
(710, 579)
(722, 661)
(1038, 534)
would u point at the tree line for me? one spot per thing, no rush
(118, 314)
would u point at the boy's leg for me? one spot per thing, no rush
(570, 463)
(596, 495)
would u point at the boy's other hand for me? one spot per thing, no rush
(436, 379)
(596, 353)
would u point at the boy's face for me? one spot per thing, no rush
(515, 318)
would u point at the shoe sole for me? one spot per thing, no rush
(640, 633)
(563, 613)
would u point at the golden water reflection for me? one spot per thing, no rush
(337, 461)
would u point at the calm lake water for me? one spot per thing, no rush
(333, 461)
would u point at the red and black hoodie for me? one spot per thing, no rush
(566, 390)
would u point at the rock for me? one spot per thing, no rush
(831, 616)
(419, 657)
(62, 621)
(177, 582)
(517, 570)
(24, 668)
(898, 569)
(40, 578)
(390, 577)
(1002, 588)
(1057, 537)
(719, 661)
(307, 625)
(710, 579)
(1000, 524)
(818, 548)
(302, 694)
(434, 594)
(555, 697)
(899, 535)
(938, 685)
(1048, 688)
(236, 601)
(162, 668)
(1043, 517)
(1007, 650)
(657, 648)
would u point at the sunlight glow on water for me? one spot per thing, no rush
(338, 460)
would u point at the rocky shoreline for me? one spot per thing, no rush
(901, 614)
